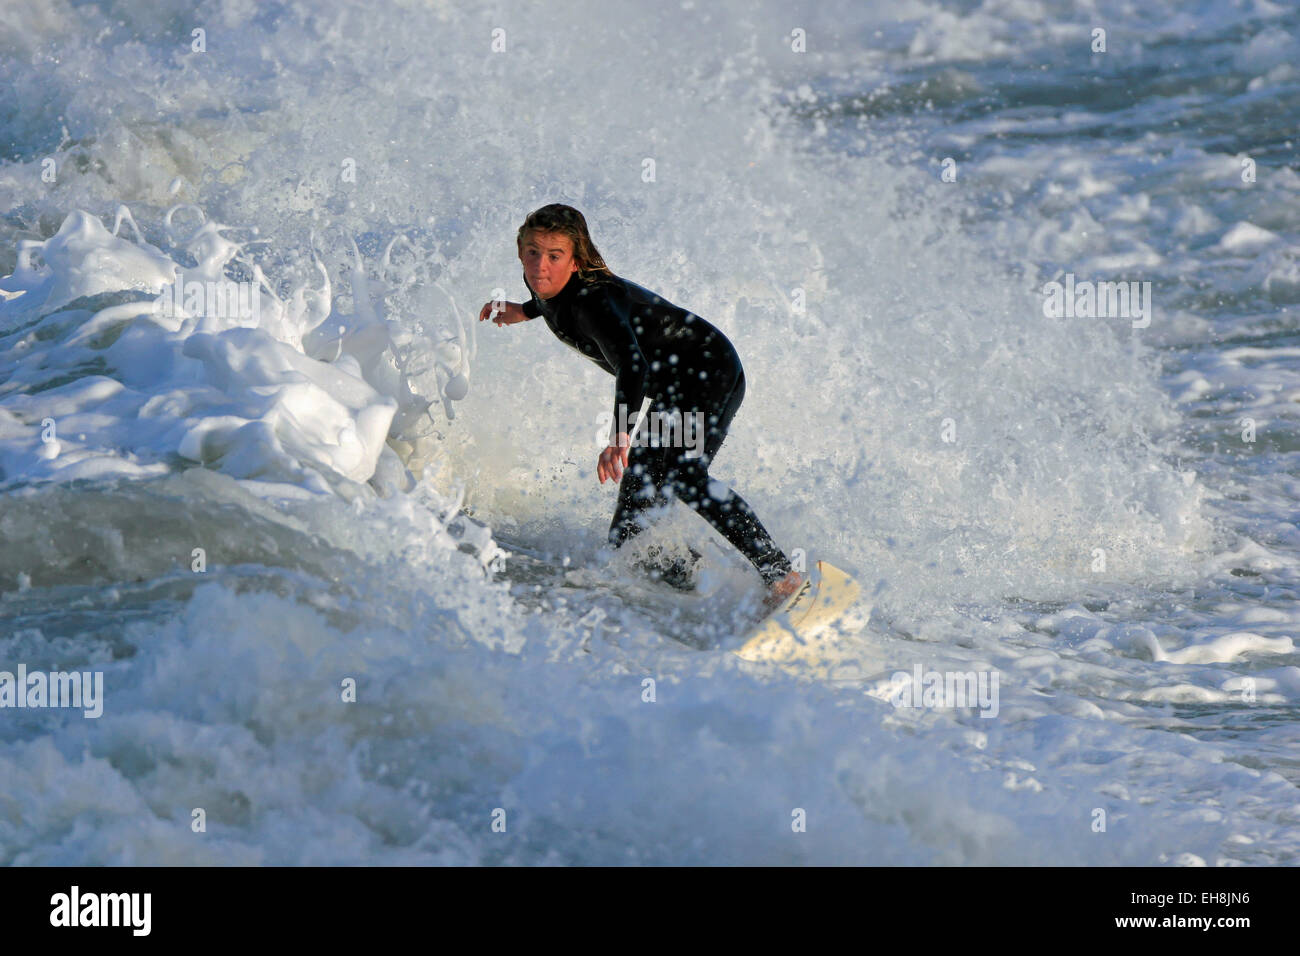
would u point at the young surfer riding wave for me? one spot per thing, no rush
(686, 366)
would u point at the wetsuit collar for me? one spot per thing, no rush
(569, 290)
(575, 282)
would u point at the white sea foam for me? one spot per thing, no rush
(147, 382)
(1018, 496)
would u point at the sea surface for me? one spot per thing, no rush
(336, 547)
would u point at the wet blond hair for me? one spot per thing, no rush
(567, 221)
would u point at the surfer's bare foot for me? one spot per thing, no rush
(779, 591)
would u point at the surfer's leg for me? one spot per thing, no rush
(641, 488)
(728, 513)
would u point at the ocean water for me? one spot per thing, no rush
(335, 547)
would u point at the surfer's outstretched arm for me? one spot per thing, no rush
(502, 313)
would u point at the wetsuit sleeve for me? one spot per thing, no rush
(606, 318)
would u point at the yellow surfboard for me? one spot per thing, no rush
(796, 630)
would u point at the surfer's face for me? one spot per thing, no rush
(548, 261)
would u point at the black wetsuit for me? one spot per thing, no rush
(685, 365)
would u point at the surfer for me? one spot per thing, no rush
(687, 367)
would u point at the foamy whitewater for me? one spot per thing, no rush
(262, 468)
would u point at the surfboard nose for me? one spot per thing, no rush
(790, 633)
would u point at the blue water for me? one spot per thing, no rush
(1101, 513)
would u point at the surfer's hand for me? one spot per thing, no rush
(502, 313)
(614, 459)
